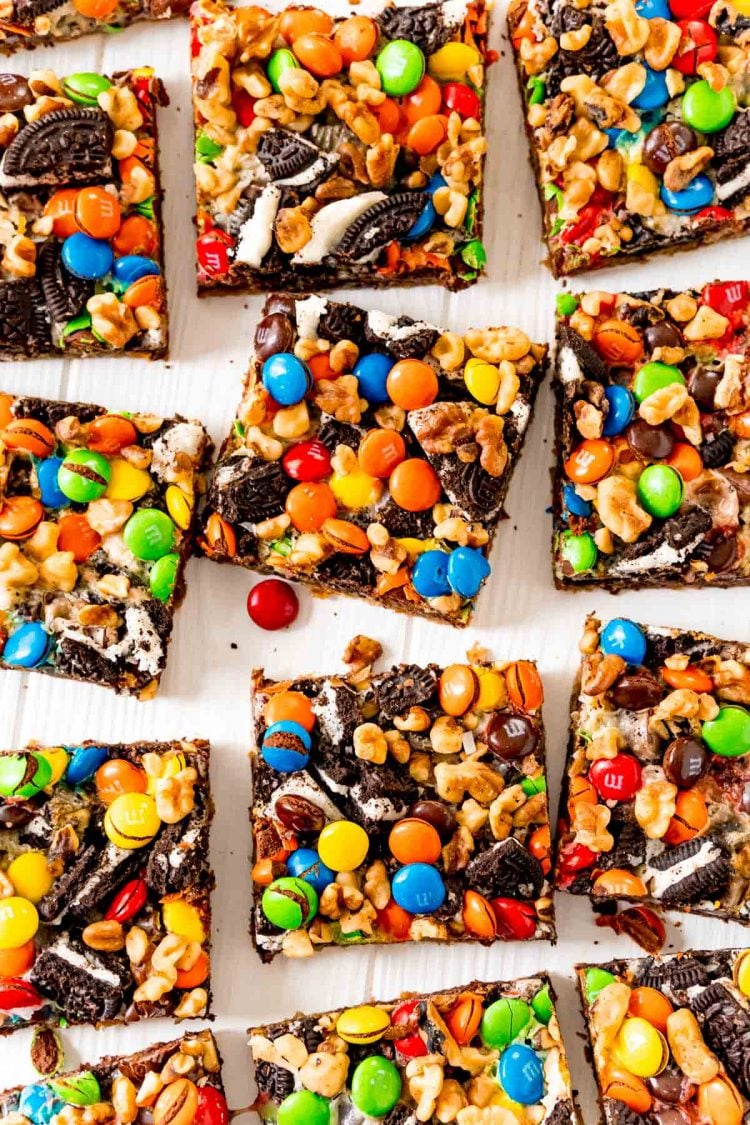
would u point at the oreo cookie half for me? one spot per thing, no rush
(506, 869)
(401, 336)
(388, 219)
(248, 489)
(726, 1029)
(693, 871)
(590, 363)
(677, 974)
(293, 161)
(65, 295)
(65, 146)
(23, 324)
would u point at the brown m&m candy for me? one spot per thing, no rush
(685, 761)
(665, 142)
(511, 736)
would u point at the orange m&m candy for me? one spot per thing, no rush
(415, 841)
(427, 134)
(291, 705)
(690, 817)
(380, 451)
(6, 410)
(479, 917)
(692, 678)
(196, 974)
(618, 342)
(220, 536)
(590, 461)
(345, 537)
(356, 38)
(540, 843)
(96, 9)
(148, 290)
(118, 776)
(686, 459)
(719, 1100)
(388, 114)
(304, 21)
(425, 101)
(414, 485)
(620, 883)
(465, 1016)
(62, 207)
(16, 962)
(319, 54)
(625, 1087)
(137, 235)
(19, 516)
(29, 435)
(97, 212)
(652, 1005)
(411, 384)
(394, 920)
(109, 433)
(458, 689)
(320, 367)
(77, 536)
(310, 504)
(524, 685)
(581, 791)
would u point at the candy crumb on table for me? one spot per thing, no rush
(656, 798)
(96, 526)
(653, 420)
(637, 121)
(371, 454)
(669, 1036)
(406, 805)
(82, 268)
(176, 1083)
(456, 1055)
(348, 151)
(104, 855)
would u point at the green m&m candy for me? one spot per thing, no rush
(23, 775)
(163, 577)
(77, 1089)
(653, 376)
(304, 1108)
(728, 735)
(289, 903)
(596, 981)
(85, 87)
(376, 1086)
(503, 1021)
(83, 476)
(280, 60)
(566, 304)
(580, 551)
(706, 109)
(149, 534)
(660, 490)
(542, 1005)
(401, 67)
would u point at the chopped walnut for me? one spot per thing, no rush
(362, 652)
(111, 319)
(682, 170)
(370, 744)
(589, 823)
(424, 1076)
(489, 437)
(654, 804)
(599, 671)
(340, 397)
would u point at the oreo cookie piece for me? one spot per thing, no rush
(401, 336)
(341, 322)
(55, 902)
(676, 974)
(718, 450)
(596, 57)
(113, 866)
(629, 850)
(726, 1029)
(734, 141)
(406, 686)
(24, 328)
(707, 877)
(388, 219)
(64, 293)
(506, 869)
(402, 524)
(247, 489)
(176, 858)
(293, 161)
(687, 528)
(89, 987)
(588, 361)
(273, 1082)
(425, 25)
(380, 796)
(64, 146)
(332, 433)
(26, 11)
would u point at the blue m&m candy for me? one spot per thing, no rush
(286, 378)
(575, 505)
(697, 195)
(286, 746)
(371, 371)
(655, 93)
(621, 410)
(28, 646)
(304, 863)
(467, 570)
(39, 1104)
(133, 267)
(51, 495)
(653, 9)
(83, 764)
(86, 257)
(521, 1075)
(428, 217)
(418, 888)
(430, 574)
(621, 637)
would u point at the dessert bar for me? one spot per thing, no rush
(669, 1036)
(484, 1053)
(44, 23)
(653, 417)
(95, 529)
(656, 801)
(82, 265)
(334, 152)
(400, 806)
(371, 454)
(105, 915)
(636, 118)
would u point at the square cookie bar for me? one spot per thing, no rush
(400, 806)
(337, 152)
(465, 1055)
(95, 530)
(81, 271)
(105, 915)
(371, 454)
(657, 788)
(179, 1080)
(652, 483)
(669, 1036)
(44, 23)
(636, 119)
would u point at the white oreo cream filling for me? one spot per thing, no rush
(308, 312)
(568, 366)
(661, 881)
(331, 223)
(256, 233)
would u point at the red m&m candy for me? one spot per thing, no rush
(307, 460)
(212, 249)
(618, 778)
(272, 604)
(727, 297)
(516, 920)
(698, 45)
(461, 99)
(412, 1046)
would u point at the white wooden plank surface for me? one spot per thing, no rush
(205, 690)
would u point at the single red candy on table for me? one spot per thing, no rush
(272, 604)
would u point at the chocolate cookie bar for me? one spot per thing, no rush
(105, 915)
(178, 1081)
(463, 1055)
(44, 23)
(400, 806)
(337, 152)
(81, 271)
(669, 1036)
(637, 122)
(657, 794)
(95, 529)
(371, 454)
(652, 484)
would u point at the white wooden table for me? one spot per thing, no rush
(205, 690)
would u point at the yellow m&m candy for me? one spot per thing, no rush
(19, 922)
(131, 821)
(640, 1048)
(58, 759)
(482, 380)
(491, 690)
(30, 875)
(179, 506)
(183, 919)
(343, 845)
(452, 60)
(742, 972)
(356, 490)
(365, 1024)
(126, 482)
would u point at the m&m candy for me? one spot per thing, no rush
(418, 888)
(414, 841)
(482, 380)
(728, 735)
(80, 1089)
(51, 495)
(467, 570)
(28, 646)
(401, 66)
(162, 577)
(660, 490)
(596, 981)
(303, 1107)
(429, 575)
(286, 378)
(575, 505)
(706, 109)
(503, 1021)
(272, 604)
(621, 637)
(542, 1006)
(451, 61)
(126, 482)
(30, 875)
(621, 409)
(19, 922)
(640, 1048)
(286, 746)
(128, 901)
(697, 195)
(307, 460)
(461, 99)
(289, 903)
(280, 60)
(39, 1104)
(86, 257)
(363, 1025)
(116, 776)
(184, 919)
(149, 534)
(23, 775)
(372, 372)
(343, 845)
(131, 821)
(132, 267)
(653, 377)
(83, 764)
(375, 1086)
(85, 87)
(655, 92)
(579, 551)
(83, 475)
(521, 1074)
(304, 863)
(616, 779)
